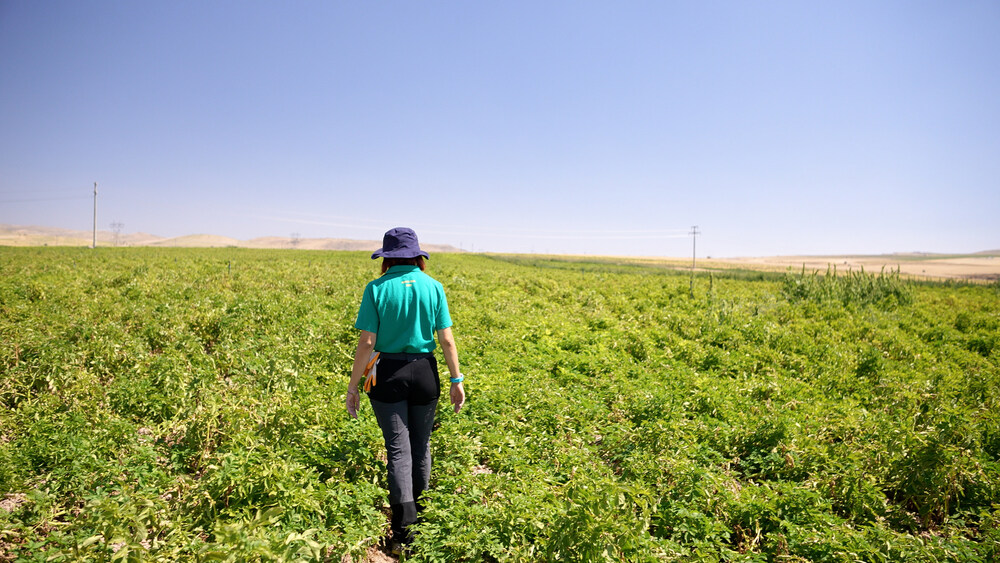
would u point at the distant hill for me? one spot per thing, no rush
(977, 266)
(17, 235)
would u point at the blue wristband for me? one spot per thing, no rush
(458, 379)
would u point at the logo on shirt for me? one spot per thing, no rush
(408, 283)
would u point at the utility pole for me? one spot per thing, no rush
(694, 238)
(95, 216)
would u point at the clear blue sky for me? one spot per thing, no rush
(565, 126)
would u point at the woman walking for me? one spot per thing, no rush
(400, 313)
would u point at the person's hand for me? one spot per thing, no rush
(353, 402)
(457, 396)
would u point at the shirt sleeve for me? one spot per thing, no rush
(367, 314)
(443, 316)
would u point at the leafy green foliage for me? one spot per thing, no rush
(858, 288)
(164, 404)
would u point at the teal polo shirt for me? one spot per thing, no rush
(404, 308)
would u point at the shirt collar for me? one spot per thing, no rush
(401, 269)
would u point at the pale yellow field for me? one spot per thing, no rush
(981, 267)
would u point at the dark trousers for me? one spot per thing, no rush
(404, 401)
(406, 429)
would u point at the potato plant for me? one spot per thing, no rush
(179, 404)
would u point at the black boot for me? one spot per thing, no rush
(403, 515)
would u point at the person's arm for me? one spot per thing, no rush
(450, 351)
(366, 344)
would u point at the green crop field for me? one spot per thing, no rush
(182, 404)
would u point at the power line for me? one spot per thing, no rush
(453, 229)
(27, 200)
(548, 234)
(30, 191)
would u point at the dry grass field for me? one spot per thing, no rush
(983, 266)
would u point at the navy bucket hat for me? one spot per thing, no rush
(400, 242)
